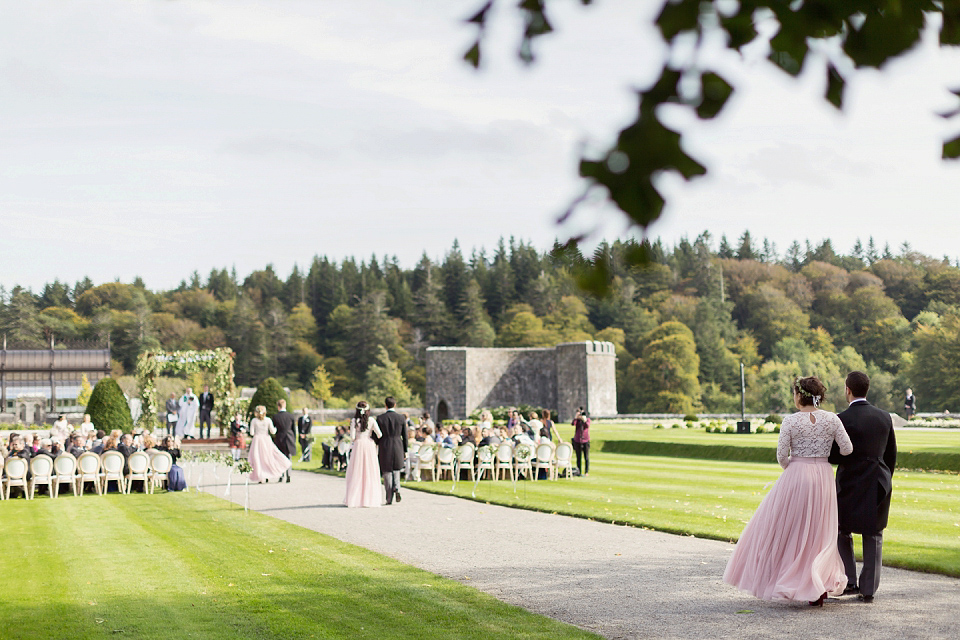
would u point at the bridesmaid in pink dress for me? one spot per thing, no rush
(363, 470)
(267, 462)
(788, 550)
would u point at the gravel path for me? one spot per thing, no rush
(619, 581)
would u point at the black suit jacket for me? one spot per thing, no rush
(206, 401)
(392, 443)
(285, 438)
(865, 477)
(304, 425)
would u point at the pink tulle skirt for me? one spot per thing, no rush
(364, 488)
(788, 550)
(267, 462)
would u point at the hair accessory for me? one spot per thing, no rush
(816, 401)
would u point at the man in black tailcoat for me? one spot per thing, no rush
(285, 438)
(206, 409)
(391, 448)
(864, 485)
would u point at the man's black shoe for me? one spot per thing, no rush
(396, 495)
(865, 598)
(851, 588)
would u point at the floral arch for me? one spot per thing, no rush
(220, 361)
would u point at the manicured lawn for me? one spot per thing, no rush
(188, 565)
(715, 499)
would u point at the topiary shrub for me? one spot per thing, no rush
(267, 394)
(760, 429)
(659, 426)
(108, 407)
(774, 418)
(730, 429)
(776, 429)
(690, 417)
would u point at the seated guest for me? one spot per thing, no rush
(19, 448)
(77, 443)
(125, 446)
(175, 477)
(97, 444)
(466, 436)
(35, 445)
(45, 448)
(109, 444)
(488, 438)
(149, 443)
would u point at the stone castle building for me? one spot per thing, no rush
(560, 378)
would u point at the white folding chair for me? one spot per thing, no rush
(426, 459)
(544, 460)
(88, 470)
(445, 461)
(504, 459)
(562, 457)
(65, 470)
(16, 469)
(41, 472)
(523, 460)
(138, 468)
(465, 459)
(112, 469)
(160, 463)
(485, 461)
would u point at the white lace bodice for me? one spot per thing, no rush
(811, 435)
(261, 427)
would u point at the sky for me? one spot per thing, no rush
(154, 138)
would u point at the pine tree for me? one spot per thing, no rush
(267, 394)
(83, 398)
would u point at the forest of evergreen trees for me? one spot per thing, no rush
(682, 323)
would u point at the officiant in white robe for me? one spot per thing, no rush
(187, 416)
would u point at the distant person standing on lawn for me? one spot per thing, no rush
(581, 440)
(304, 433)
(910, 404)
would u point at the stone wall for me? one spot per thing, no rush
(570, 375)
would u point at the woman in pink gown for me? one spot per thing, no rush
(267, 461)
(363, 469)
(788, 550)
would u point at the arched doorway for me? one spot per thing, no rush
(443, 412)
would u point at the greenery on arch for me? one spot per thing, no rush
(219, 361)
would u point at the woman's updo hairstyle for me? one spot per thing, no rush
(362, 416)
(810, 390)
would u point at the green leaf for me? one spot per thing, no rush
(789, 49)
(714, 92)
(884, 35)
(677, 17)
(739, 27)
(745, 611)
(950, 31)
(473, 55)
(480, 17)
(666, 89)
(951, 149)
(835, 85)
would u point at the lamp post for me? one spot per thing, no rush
(744, 425)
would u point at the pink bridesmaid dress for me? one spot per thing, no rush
(364, 486)
(788, 550)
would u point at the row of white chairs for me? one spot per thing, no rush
(151, 468)
(507, 459)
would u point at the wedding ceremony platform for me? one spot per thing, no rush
(618, 581)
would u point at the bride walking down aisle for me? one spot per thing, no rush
(788, 550)
(363, 470)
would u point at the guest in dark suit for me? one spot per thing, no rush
(864, 485)
(910, 404)
(206, 407)
(391, 448)
(76, 445)
(304, 431)
(126, 448)
(285, 438)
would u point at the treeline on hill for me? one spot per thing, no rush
(681, 324)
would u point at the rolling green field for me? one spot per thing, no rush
(179, 565)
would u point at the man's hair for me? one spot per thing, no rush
(390, 401)
(858, 383)
(281, 403)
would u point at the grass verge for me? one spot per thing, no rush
(188, 565)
